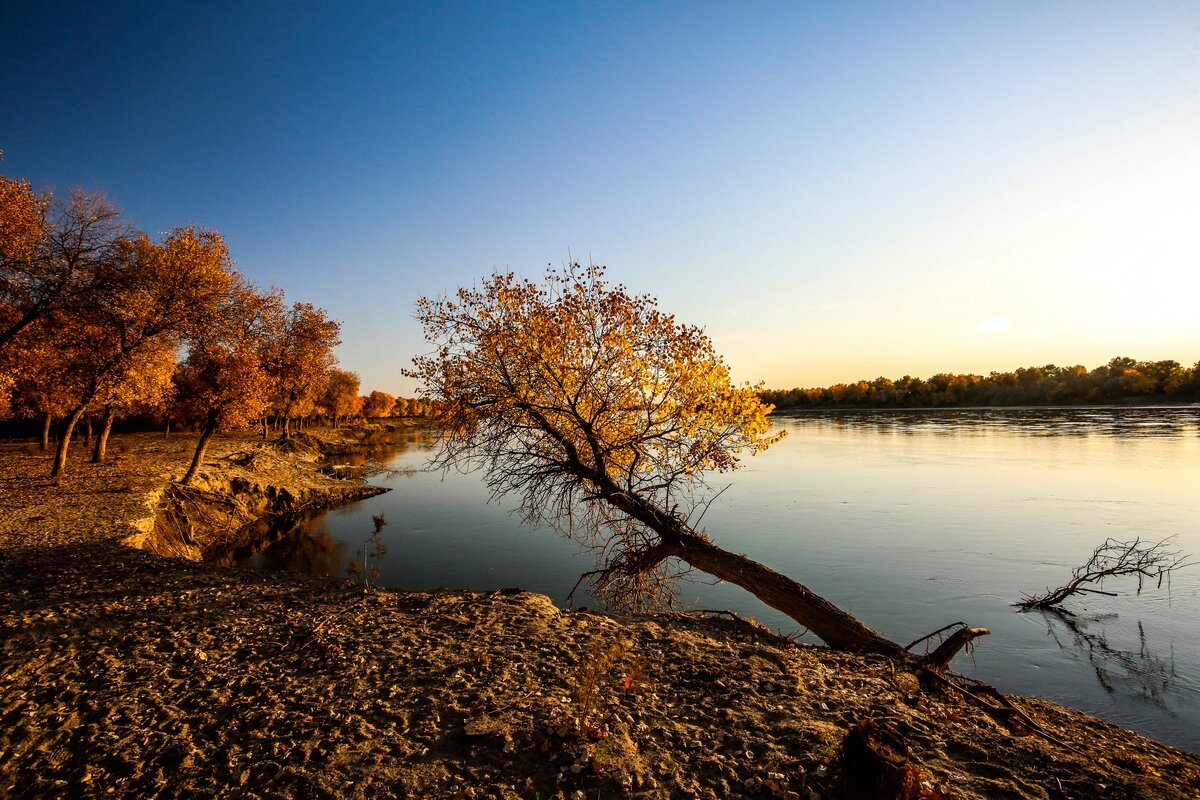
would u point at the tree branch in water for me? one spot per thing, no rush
(1147, 560)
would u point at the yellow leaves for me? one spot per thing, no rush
(590, 367)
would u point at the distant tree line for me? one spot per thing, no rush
(100, 321)
(379, 405)
(1120, 380)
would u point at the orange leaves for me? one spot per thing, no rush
(297, 354)
(339, 397)
(22, 226)
(378, 404)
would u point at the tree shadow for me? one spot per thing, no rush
(1140, 673)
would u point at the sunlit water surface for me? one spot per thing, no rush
(910, 520)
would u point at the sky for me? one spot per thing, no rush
(833, 191)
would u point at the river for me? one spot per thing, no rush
(910, 520)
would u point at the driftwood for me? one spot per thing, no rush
(1147, 560)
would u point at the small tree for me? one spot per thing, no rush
(340, 397)
(141, 383)
(43, 387)
(602, 413)
(223, 382)
(153, 295)
(298, 354)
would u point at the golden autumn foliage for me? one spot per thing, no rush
(94, 316)
(574, 365)
(599, 410)
(22, 227)
(339, 398)
(298, 354)
(223, 379)
(55, 254)
(378, 404)
(151, 297)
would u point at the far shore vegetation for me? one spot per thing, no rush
(1121, 381)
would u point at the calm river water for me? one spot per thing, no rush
(910, 520)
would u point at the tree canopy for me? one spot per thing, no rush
(572, 391)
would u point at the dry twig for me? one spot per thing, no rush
(1114, 558)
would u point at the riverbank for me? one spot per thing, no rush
(124, 673)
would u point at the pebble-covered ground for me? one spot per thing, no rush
(126, 674)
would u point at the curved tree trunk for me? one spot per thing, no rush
(837, 628)
(102, 440)
(210, 427)
(60, 455)
(44, 445)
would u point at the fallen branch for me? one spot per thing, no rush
(1002, 709)
(1114, 558)
(941, 656)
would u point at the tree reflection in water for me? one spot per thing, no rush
(307, 547)
(1136, 673)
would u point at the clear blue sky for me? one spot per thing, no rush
(834, 191)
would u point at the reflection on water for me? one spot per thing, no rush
(1139, 673)
(910, 520)
(307, 546)
(1137, 422)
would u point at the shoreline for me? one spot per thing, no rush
(127, 672)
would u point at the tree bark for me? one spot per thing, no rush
(87, 429)
(44, 445)
(210, 427)
(837, 628)
(102, 440)
(60, 455)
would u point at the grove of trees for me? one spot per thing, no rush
(1120, 380)
(100, 321)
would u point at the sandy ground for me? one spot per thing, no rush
(123, 673)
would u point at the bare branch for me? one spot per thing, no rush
(1146, 560)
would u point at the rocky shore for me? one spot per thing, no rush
(129, 668)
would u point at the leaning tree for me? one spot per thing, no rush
(602, 414)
